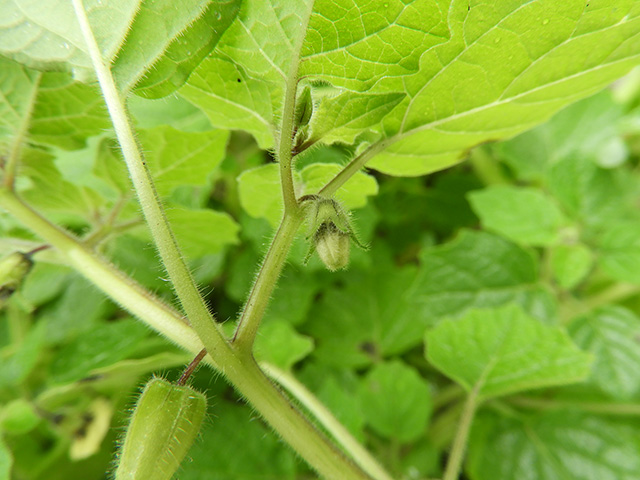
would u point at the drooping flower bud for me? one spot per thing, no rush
(330, 231)
(13, 268)
(332, 246)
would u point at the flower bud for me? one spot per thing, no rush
(13, 269)
(164, 425)
(332, 246)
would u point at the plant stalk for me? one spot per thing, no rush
(241, 370)
(454, 464)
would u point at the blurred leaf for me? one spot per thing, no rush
(570, 264)
(612, 334)
(367, 315)
(105, 345)
(396, 401)
(620, 251)
(243, 448)
(18, 88)
(278, 343)
(550, 446)
(18, 417)
(182, 158)
(590, 194)
(18, 364)
(524, 215)
(500, 351)
(201, 232)
(581, 131)
(478, 270)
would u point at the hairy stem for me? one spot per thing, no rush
(454, 464)
(15, 149)
(181, 278)
(359, 454)
(265, 283)
(353, 167)
(240, 370)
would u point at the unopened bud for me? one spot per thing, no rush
(13, 269)
(332, 246)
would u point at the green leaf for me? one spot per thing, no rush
(104, 345)
(165, 37)
(6, 461)
(18, 87)
(360, 44)
(501, 351)
(171, 70)
(396, 401)
(18, 363)
(67, 112)
(611, 334)
(260, 192)
(370, 314)
(346, 116)
(581, 131)
(590, 194)
(243, 449)
(620, 251)
(201, 232)
(478, 270)
(504, 70)
(278, 343)
(180, 158)
(552, 446)
(524, 215)
(570, 264)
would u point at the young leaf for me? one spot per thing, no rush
(396, 401)
(203, 231)
(611, 334)
(6, 460)
(278, 343)
(501, 351)
(551, 446)
(478, 270)
(524, 215)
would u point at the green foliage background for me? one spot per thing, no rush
(514, 276)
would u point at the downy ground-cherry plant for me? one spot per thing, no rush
(403, 236)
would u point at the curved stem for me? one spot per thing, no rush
(265, 283)
(240, 369)
(183, 283)
(353, 167)
(610, 408)
(359, 454)
(454, 464)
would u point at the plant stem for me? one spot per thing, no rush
(181, 278)
(265, 282)
(454, 464)
(240, 370)
(353, 167)
(359, 454)
(618, 409)
(613, 294)
(15, 150)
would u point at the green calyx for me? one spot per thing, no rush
(330, 231)
(164, 425)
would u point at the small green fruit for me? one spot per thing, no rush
(164, 425)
